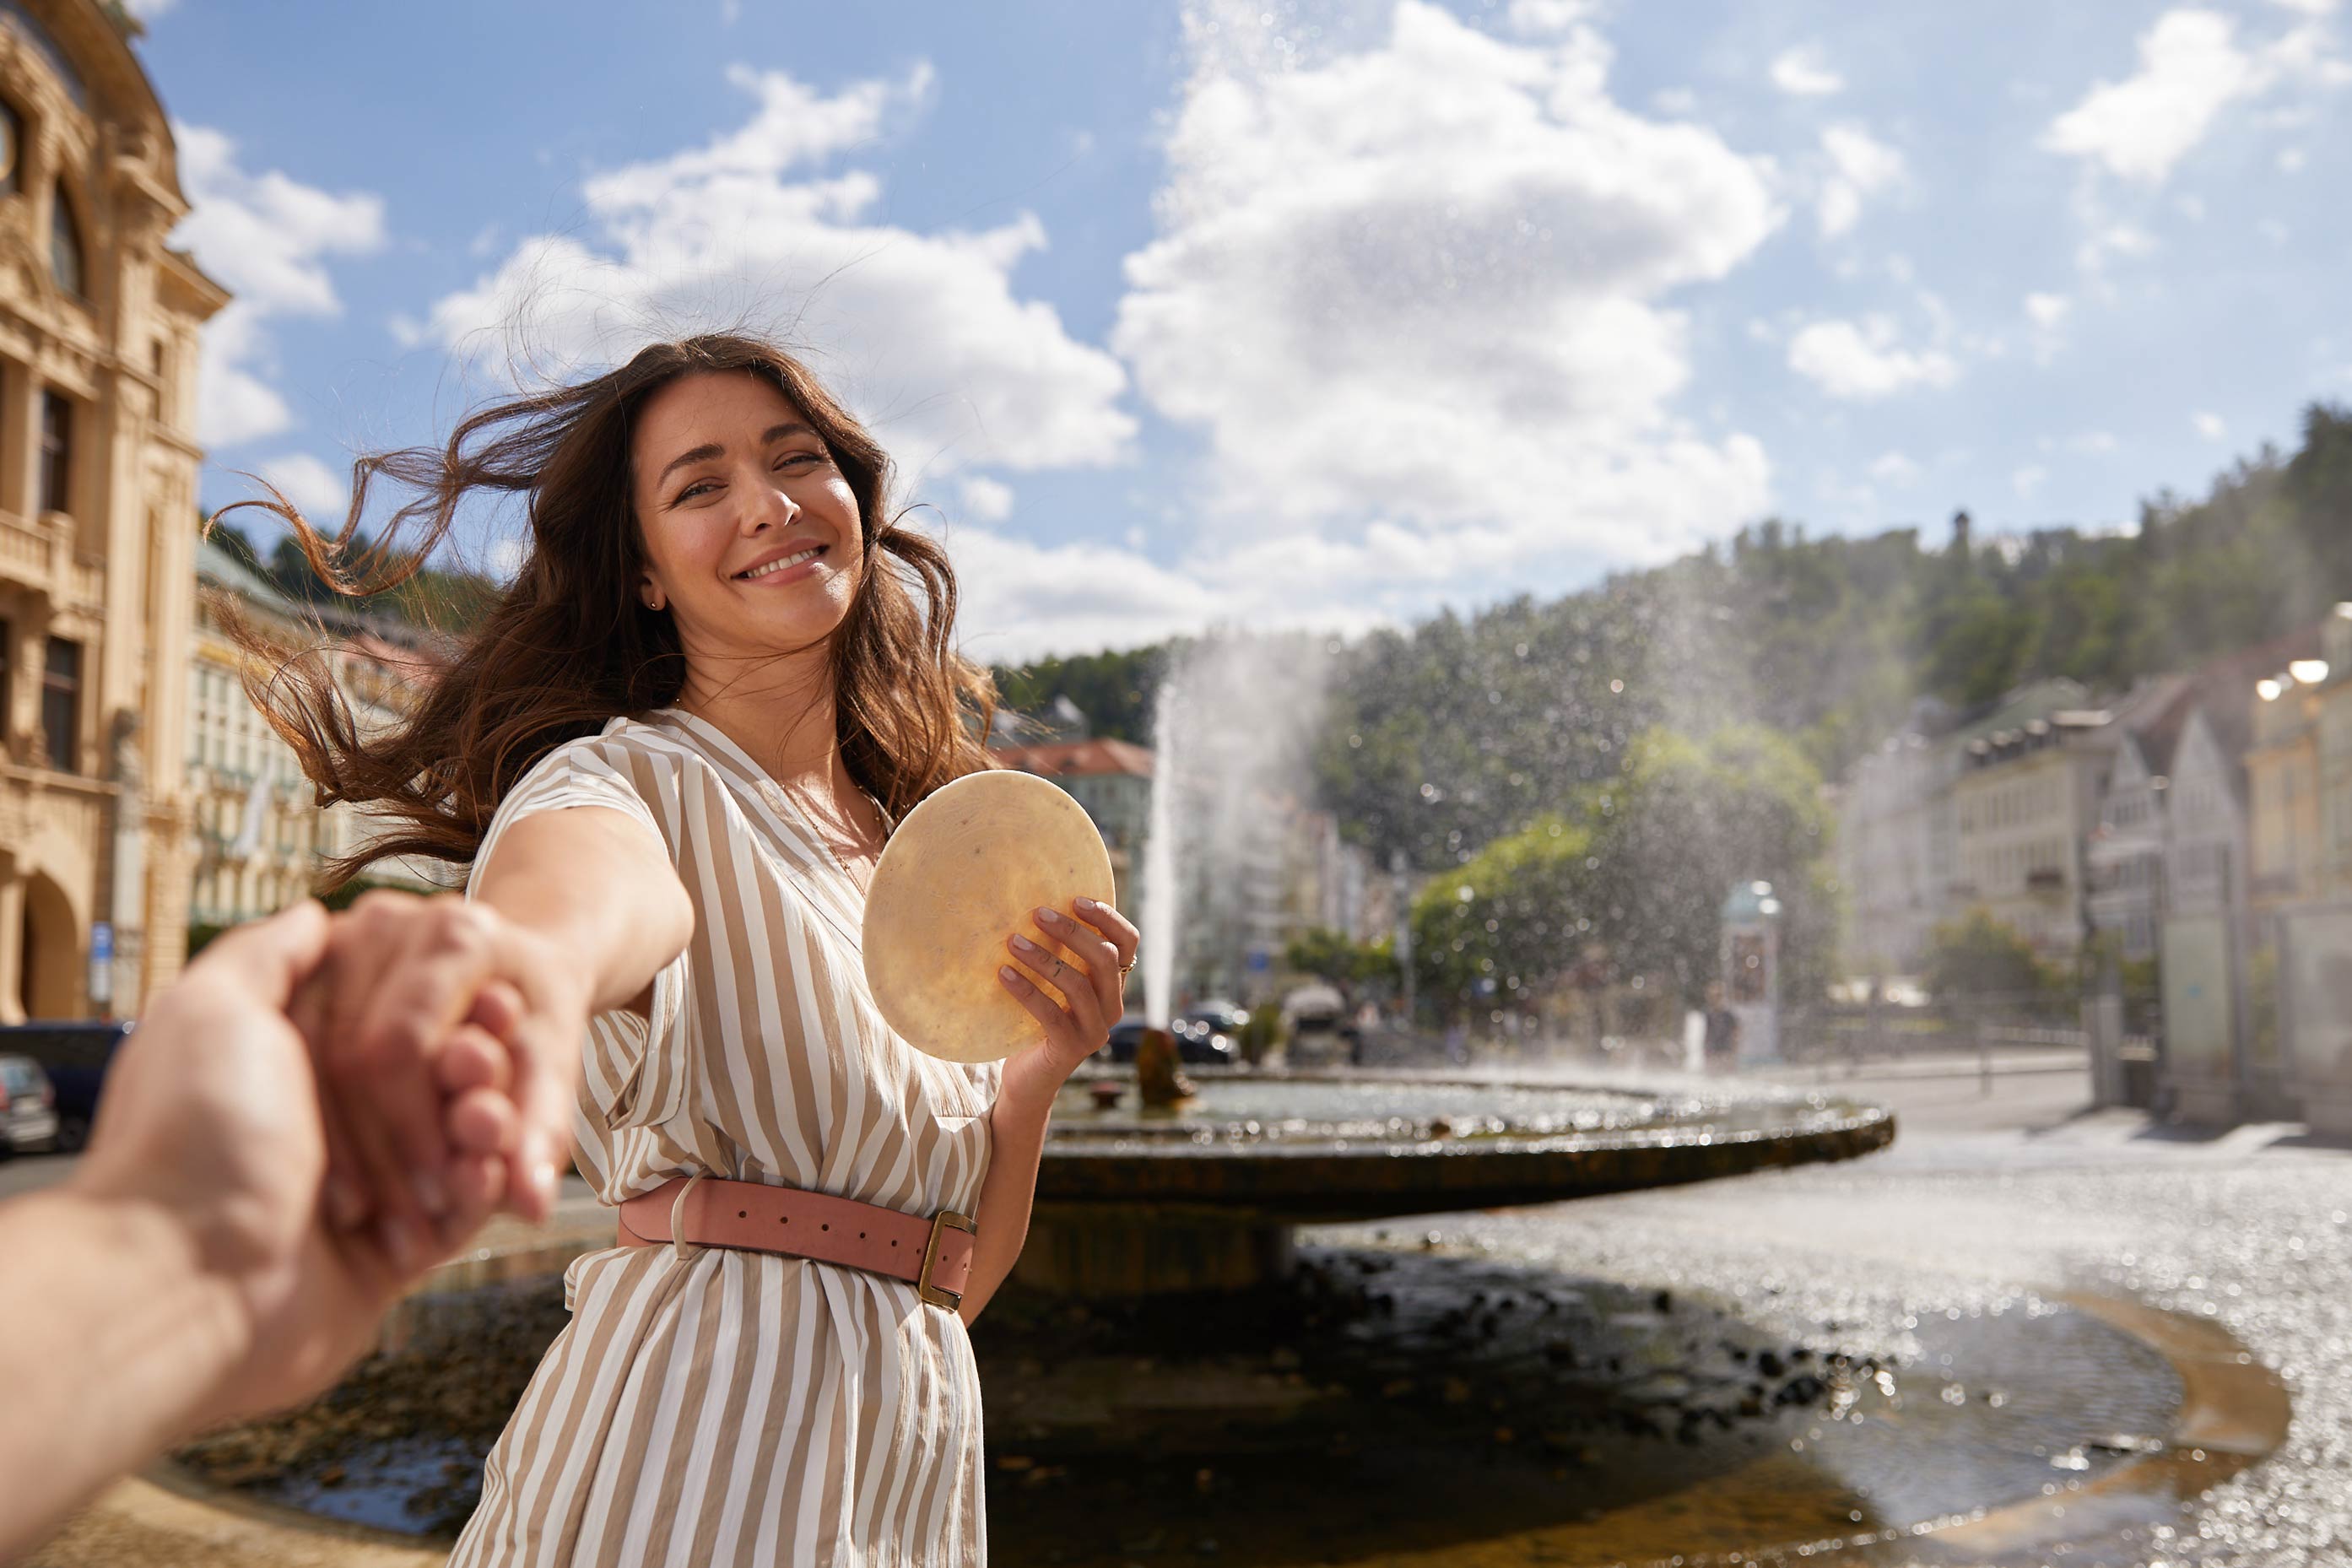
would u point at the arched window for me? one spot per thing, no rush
(12, 147)
(65, 245)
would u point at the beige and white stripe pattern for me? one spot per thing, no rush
(716, 1407)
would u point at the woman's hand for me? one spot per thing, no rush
(1085, 956)
(441, 1028)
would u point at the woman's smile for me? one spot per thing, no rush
(779, 566)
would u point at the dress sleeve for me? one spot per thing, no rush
(634, 1070)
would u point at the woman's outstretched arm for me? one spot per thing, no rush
(575, 910)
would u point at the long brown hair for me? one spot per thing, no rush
(570, 646)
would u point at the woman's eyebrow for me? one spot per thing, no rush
(709, 449)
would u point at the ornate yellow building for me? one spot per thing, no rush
(99, 323)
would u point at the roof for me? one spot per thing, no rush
(1077, 759)
(2223, 689)
(218, 567)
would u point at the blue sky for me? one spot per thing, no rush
(1295, 312)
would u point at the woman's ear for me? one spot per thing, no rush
(649, 592)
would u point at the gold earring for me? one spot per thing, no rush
(655, 603)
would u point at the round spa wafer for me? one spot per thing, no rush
(964, 871)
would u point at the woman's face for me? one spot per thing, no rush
(750, 533)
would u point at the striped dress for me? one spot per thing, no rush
(717, 1406)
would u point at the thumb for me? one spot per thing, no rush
(268, 959)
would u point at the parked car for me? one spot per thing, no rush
(1197, 1043)
(28, 1107)
(75, 1054)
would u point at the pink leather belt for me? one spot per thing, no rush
(933, 1255)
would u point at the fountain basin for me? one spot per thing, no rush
(1203, 1196)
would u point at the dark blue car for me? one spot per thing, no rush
(75, 1056)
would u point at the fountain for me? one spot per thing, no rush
(1205, 1195)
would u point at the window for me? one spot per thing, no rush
(61, 703)
(65, 245)
(12, 148)
(57, 452)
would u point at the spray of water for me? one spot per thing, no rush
(1160, 893)
(1233, 727)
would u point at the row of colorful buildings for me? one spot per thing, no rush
(2203, 819)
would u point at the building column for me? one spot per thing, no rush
(11, 945)
(20, 428)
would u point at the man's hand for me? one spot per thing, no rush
(211, 1122)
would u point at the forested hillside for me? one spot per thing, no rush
(1460, 731)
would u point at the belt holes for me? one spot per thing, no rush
(894, 1244)
(742, 1214)
(824, 1227)
(861, 1236)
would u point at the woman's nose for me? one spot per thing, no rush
(768, 506)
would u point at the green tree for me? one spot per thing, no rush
(1507, 923)
(1687, 818)
(1329, 956)
(1978, 957)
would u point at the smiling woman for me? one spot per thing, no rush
(671, 755)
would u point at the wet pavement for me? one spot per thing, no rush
(1988, 1201)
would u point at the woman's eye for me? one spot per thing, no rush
(805, 459)
(694, 490)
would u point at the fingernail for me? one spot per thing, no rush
(1089, 904)
(431, 1193)
(345, 1208)
(1009, 973)
(399, 1242)
(1023, 944)
(1050, 916)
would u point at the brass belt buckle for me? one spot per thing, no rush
(939, 1295)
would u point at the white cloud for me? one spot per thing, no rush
(1802, 73)
(986, 500)
(2309, 7)
(2208, 425)
(2191, 67)
(268, 237)
(147, 10)
(1540, 16)
(2092, 443)
(2291, 159)
(1409, 295)
(2109, 239)
(1863, 362)
(1861, 166)
(1894, 469)
(2047, 309)
(921, 333)
(317, 491)
(2028, 480)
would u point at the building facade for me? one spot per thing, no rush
(2283, 816)
(2023, 806)
(2335, 756)
(99, 343)
(258, 835)
(2124, 862)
